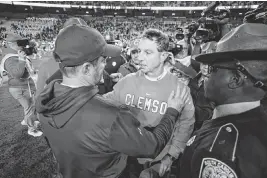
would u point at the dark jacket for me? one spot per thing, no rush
(231, 146)
(47, 68)
(91, 137)
(127, 68)
(104, 88)
(264, 104)
(203, 107)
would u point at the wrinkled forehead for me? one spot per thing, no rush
(147, 44)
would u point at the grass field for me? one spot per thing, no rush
(21, 155)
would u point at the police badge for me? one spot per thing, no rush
(214, 168)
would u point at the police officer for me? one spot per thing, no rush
(234, 143)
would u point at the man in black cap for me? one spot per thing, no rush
(49, 66)
(49, 69)
(234, 143)
(92, 136)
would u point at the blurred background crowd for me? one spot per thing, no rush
(44, 29)
(151, 3)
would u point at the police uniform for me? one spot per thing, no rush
(233, 144)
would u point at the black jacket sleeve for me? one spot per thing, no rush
(128, 137)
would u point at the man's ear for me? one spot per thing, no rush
(86, 68)
(236, 81)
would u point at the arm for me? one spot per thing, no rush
(183, 128)
(115, 94)
(40, 84)
(128, 137)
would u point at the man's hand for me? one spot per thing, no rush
(22, 54)
(116, 77)
(171, 58)
(165, 165)
(177, 99)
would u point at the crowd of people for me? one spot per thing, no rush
(37, 28)
(2, 32)
(125, 29)
(152, 3)
(189, 105)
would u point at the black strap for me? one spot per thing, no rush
(257, 83)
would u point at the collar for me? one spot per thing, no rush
(157, 78)
(235, 108)
(71, 86)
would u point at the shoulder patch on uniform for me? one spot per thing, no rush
(211, 167)
(190, 141)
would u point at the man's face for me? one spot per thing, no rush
(216, 84)
(184, 53)
(204, 69)
(134, 56)
(149, 56)
(99, 69)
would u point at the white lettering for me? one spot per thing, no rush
(155, 106)
(128, 96)
(139, 103)
(147, 104)
(132, 103)
(163, 108)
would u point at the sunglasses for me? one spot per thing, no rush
(239, 68)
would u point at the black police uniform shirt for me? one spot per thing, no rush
(232, 146)
(114, 63)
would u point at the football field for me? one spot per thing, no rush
(21, 155)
